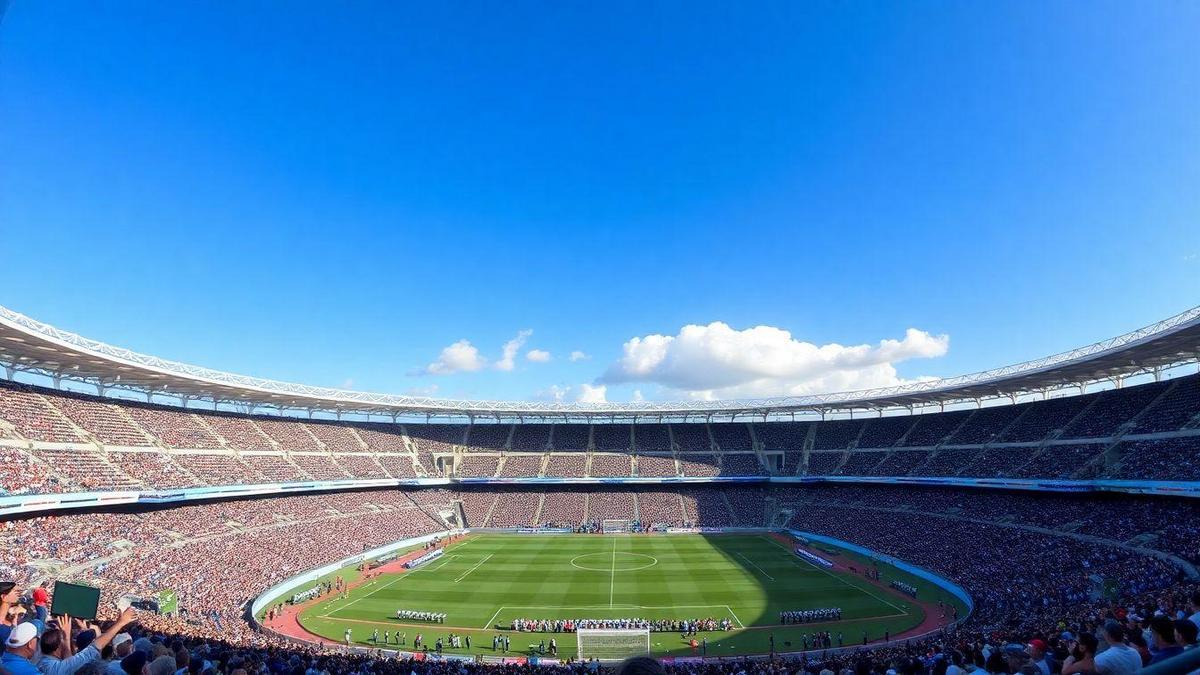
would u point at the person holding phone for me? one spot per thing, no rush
(1083, 655)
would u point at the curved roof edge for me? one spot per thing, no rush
(33, 346)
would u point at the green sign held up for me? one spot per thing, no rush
(168, 602)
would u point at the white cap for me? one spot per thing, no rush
(21, 635)
(120, 639)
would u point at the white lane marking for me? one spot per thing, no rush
(612, 574)
(465, 574)
(761, 570)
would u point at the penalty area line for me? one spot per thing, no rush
(492, 621)
(761, 570)
(468, 572)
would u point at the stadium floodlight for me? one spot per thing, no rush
(612, 644)
(614, 526)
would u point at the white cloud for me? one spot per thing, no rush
(511, 348)
(579, 356)
(555, 392)
(538, 355)
(592, 393)
(347, 383)
(462, 356)
(637, 396)
(717, 361)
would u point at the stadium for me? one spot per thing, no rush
(576, 338)
(281, 516)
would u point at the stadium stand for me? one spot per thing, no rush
(152, 468)
(531, 437)
(275, 467)
(899, 463)
(488, 437)
(1115, 434)
(477, 466)
(699, 464)
(521, 466)
(515, 509)
(337, 437)
(656, 465)
(106, 422)
(781, 435)
(320, 466)
(731, 436)
(572, 437)
(930, 430)
(567, 465)
(397, 465)
(859, 463)
(741, 464)
(1164, 459)
(662, 508)
(884, 432)
(436, 437)
(824, 463)
(652, 437)
(837, 434)
(691, 437)
(361, 465)
(610, 465)
(611, 437)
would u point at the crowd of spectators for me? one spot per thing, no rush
(1077, 562)
(521, 466)
(656, 465)
(699, 464)
(606, 465)
(1057, 438)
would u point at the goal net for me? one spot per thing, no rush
(617, 525)
(612, 644)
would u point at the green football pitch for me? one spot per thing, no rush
(485, 581)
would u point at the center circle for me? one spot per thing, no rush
(613, 562)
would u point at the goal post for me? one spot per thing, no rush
(612, 644)
(615, 525)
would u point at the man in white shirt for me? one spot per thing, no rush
(122, 645)
(1119, 658)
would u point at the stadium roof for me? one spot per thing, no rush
(28, 345)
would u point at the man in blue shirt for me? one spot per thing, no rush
(1163, 630)
(19, 648)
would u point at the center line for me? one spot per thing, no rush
(612, 574)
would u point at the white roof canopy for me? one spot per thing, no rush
(28, 345)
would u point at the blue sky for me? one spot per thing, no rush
(336, 194)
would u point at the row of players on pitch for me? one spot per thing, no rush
(907, 589)
(686, 627)
(811, 615)
(434, 617)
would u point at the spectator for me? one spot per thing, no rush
(1119, 658)
(1195, 607)
(122, 646)
(19, 648)
(57, 657)
(1185, 634)
(1163, 634)
(1082, 658)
